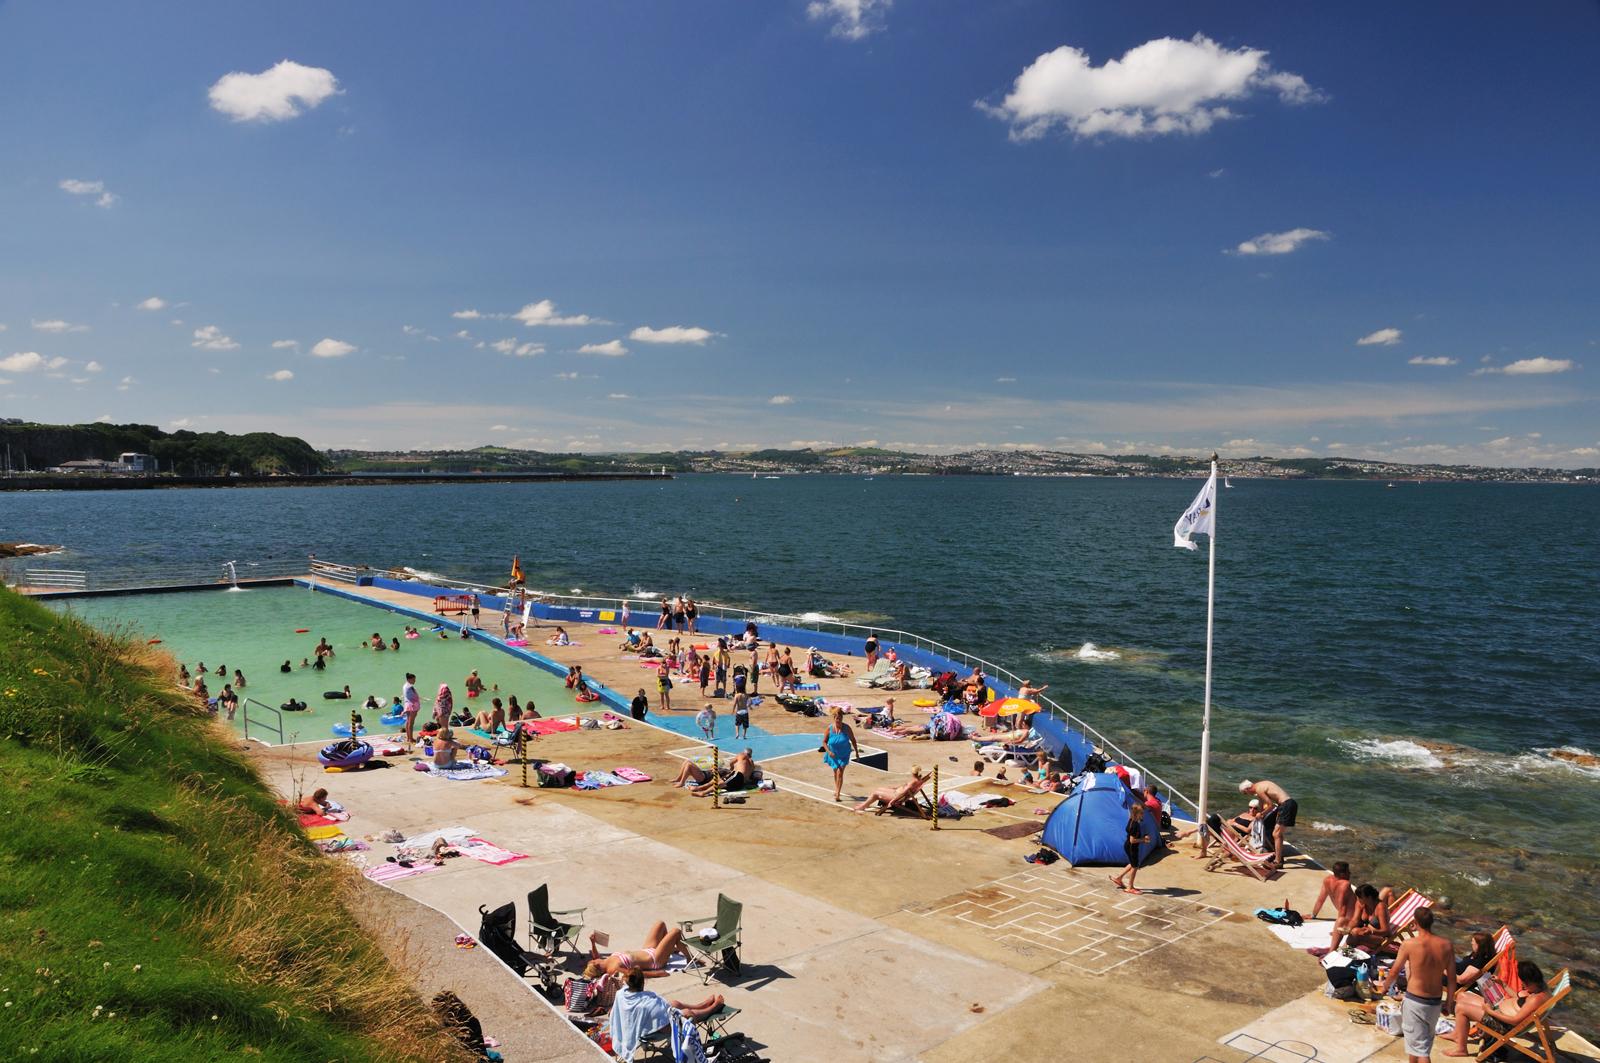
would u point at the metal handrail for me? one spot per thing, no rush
(841, 627)
(276, 727)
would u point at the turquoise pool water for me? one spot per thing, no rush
(762, 745)
(255, 631)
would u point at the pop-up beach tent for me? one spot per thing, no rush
(1090, 826)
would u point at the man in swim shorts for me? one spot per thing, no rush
(1430, 965)
(1281, 816)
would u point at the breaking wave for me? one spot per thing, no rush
(1466, 762)
(422, 574)
(1399, 751)
(1330, 828)
(1090, 652)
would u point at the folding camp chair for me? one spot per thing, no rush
(1257, 864)
(1495, 1037)
(721, 949)
(713, 1028)
(549, 930)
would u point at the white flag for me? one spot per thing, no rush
(1200, 517)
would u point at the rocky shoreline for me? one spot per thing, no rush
(26, 549)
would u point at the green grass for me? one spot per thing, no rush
(156, 903)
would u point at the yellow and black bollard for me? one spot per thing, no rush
(716, 778)
(936, 797)
(522, 753)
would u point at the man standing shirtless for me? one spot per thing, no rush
(1281, 816)
(1430, 965)
(1336, 890)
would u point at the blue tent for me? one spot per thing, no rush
(1090, 826)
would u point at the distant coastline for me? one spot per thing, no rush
(151, 483)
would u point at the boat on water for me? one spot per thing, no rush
(1389, 486)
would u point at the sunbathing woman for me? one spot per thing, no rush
(741, 774)
(1369, 927)
(1511, 1011)
(887, 797)
(315, 805)
(491, 719)
(659, 946)
(691, 773)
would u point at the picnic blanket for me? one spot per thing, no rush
(487, 852)
(468, 773)
(387, 872)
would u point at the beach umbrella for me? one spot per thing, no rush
(1010, 707)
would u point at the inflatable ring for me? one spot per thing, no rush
(302, 631)
(152, 642)
(591, 696)
(925, 703)
(516, 642)
(396, 720)
(342, 730)
(345, 755)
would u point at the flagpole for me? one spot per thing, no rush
(1211, 601)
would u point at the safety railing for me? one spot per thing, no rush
(63, 579)
(159, 574)
(1112, 750)
(340, 573)
(262, 722)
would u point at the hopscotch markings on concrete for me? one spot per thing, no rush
(1086, 926)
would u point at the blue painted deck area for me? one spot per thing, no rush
(762, 745)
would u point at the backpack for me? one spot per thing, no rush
(1094, 762)
(1284, 916)
(556, 775)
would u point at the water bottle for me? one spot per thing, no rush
(1363, 989)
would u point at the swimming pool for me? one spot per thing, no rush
(255, 631)
(762, 745)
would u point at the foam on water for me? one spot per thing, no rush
(1090, 652)
(1331, 828)
(423, 574)
(1399, 751)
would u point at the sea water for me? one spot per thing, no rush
(1419, 666)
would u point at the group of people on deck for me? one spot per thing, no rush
(1436, 980)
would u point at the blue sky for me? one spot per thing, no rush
(929, 224)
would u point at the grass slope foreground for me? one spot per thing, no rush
(156, 903)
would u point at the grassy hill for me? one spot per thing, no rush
(156, 903)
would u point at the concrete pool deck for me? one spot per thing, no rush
(866, 938)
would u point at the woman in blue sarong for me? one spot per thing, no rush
(838, 745)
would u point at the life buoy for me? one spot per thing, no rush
(153, 642)
(590, 696)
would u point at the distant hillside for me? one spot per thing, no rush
(38, 446)
(869, 461)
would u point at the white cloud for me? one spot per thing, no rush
(93, 367)
(1384, 337)
(619, 395)
(103, 198)
(566, 376)
(284, 345)
(57, 325)
(1436, 360)
(610, 348)
(852, 19)
(521, 350)
(155, 302)
(671, 334)
(467, 315)
(281, 375)
(1279, 243)
(1161, 86)
(544, 313)
(273, 95)
(411, 330)
(331, 348)
(22, 362)
(182, 422)
(211, 338)
(1005, 380)
(781, 400)
(1218, 172)
(463, 334)
(3, 327)
(125, 383)
(1529, 367)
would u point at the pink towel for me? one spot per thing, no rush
(487, 852)
(631, 774)
(387, 872)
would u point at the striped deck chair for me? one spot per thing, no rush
(1497, 1037)
(1257, 864)
(1403, 913)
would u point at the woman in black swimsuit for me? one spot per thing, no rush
(690, 613)
(1135, 839)
(666, 615)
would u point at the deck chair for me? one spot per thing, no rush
(1496, 1036)
(1403, 913)
(723, 948)
(713, 1028)
(914, 802)
(1232, 852)
(548, 930)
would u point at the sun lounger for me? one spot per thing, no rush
(1257, 864)
(879, 671)
(716, 950)
(1496, 1036)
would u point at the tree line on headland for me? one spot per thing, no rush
(32, 447)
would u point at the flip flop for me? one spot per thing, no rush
(1131, 889)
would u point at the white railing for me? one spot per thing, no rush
(1114, 752)
(165, 574)
(66, 579)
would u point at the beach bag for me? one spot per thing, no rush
(556, 775)
(1094, 762)
(1343, 981)
(1280, 916)
(575, 993)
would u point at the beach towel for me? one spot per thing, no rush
(315, 821)
(487, 852)
(325, 831)
(451, 835)
(548, 727)
(387, 872)
(468, 772)
(1312, 934)
(884, 733)
(631, 774)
